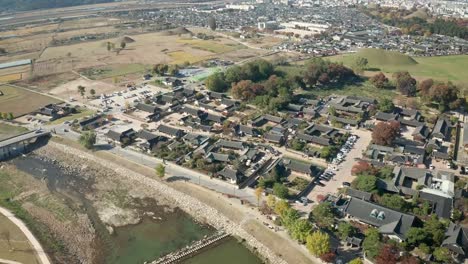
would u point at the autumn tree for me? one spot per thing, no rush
(300, 229)
(363, 167)
(405, 84)
(379, 80)
(388, 254)
(160, 69)
(258, 193)
(356, 261)
(409, 259)
(385, 132)
(318, 243)
(446, 95)
(425, 86)
(328, 257)
(247, 90)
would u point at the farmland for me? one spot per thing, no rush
(444, 68)
(7, 131)
(19, 101)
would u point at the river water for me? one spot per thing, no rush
(150, 238)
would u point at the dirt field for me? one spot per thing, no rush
(19, 101)
(14, 245)
(70, 89)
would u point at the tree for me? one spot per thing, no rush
(10, 116)
(385, 132)
(356, 261)
(173, 70)
(379, 80)
(4, 116)
(395, 202)
(280, 190)
(212, 23)
(123, 45)
(258, 193)
(88, 139)
(328, 257)
(442, 255)
(109, 46)
(281, 206)
(297, 144)
(366, 183)
(81, 90)
(360, 64)
(425, 86)
(345, 230)
(318, 243)
(388, 254)
(435, 229)
(160, 69)
(386, 105)
(362, 167)
(332, 111)
(405, 84)
(371, 243)
(271, 201)
(322, 214)
(160, 170)
(247, 90)
(92, 92)
(216, 83)
(446, 95)
(416, 236)
(300, 229)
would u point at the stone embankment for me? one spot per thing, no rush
(192, 206)
(190, 249)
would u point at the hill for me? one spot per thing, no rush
(444, 68)
(25, 5)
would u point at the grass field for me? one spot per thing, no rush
(211, 45)
(444, 68)
(19, 101)
(180, 57)
(14, 245)
(7, 131)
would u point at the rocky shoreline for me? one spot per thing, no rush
(198, 210)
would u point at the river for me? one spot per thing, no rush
(146, 241)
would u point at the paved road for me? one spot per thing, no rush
(35, 244)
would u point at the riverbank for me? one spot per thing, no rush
(200, 211)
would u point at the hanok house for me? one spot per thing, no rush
(391, 223)
(319, 141)
(122, 135)
(386, 117)
(243, 130)
(262, 120)
(149, 141)
(421, 133)
(215, 96)
(457, 240)
(231, 174)
(274, 138)
(299, 167)
(92, 122)
(228, 144)
(218, 157)
(441, 129)
(171, 131)
(154, 112)
(54, 111)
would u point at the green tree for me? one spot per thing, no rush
(356, 261)
(297, 144)
(281, 206)
(386, 105)
(212, 23)
(394, 202)
(435, 229)
(416, 236)
(4, 116)
(442, 255)
(81, 90)
(332, 111)
(92, 92)
(88, 139)
(360, 64)
(160, 170)
(345, 230)
(323, 215)
(300, 229)
(366, 183)
(371, 243)
(10, 116)
(318, 243)
(216, 83)
(123, 45)
(109, 46)
(280, 190)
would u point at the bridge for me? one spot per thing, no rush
(17, 145)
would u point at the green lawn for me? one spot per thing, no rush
(7, 131)
(443, 68)
(211, 45)
(79, 115)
